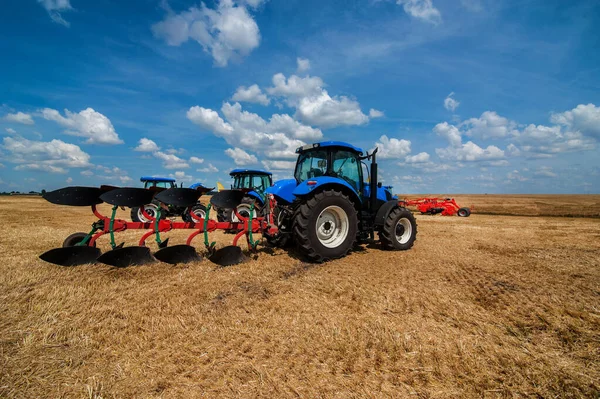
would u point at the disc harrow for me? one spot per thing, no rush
(85, 251)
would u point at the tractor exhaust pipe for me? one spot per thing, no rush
(373, 188)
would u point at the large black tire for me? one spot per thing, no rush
(198, 209)
(399, 230)
(75, 239)
(244, 208)
(137, 216)
(464, 212)
(320, 211)
(282, 240)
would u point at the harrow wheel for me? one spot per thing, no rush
(464, 212)
(75, 239)
(399, 230)
(325, 226)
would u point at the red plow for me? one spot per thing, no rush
(433, 206)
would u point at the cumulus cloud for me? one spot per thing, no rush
(303, 64)
(88, 123)
(545, 171)
(53, 156)
(252, 94)
(277, 138)
(146, 145)
(109, 175)
(241, 157)
(69, 180)
(10, 130)
(210, 168)
(181, 176)
(19, 117)
(392, 148)
(421, 157)
(450, 103)
(225, 32)
(449, 132)
(54, 8)
(421, 9)
(489, 125)
(196, 160)
(583, 118)
(470, 152)
(295, 87)
(373, 113)
(171, 161)
(279, 165)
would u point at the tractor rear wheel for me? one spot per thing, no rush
(199, 210)
(75, 239)
(325, 226)
(151, 209)
(399, 230)
(244, 209)
(464, 212)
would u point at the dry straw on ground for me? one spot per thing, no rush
(487, 306)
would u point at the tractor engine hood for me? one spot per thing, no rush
(283, 190)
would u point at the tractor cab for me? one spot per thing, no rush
(159, 182)
(255, 182)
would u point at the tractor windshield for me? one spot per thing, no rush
(161, 184)
(311, 164)
(258, 183)
(346, 166)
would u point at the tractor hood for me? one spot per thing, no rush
(283, 190)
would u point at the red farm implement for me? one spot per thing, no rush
(433, 206)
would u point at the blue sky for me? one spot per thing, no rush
(461, 96)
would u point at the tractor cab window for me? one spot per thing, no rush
(260, 183)
(311, 164)
(241, 181)
(347, 166)
(161, 184)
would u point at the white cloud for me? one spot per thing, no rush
(545, 171)
(489, 125)
(449, 132)
(171, 161)
(110, 175)
(421, 157)
(19, 117)
(277, 138)
(253, 3)
(69, 180)
(583, 118)
(209, 169)
(146, 145)
(88, 123)
(421, 9)
(252, 94)
(515, 175)
(241, 157)
(10, 130)
(181, 176)
(373, 113)
(54, 8)
(279, 165)
(87, 173)
(470, 152)
(53, 156)
(225, 32)
(295, 87)
(196, 160)
(450, 103)
(303, 64)
(392, 148)
(324, 110)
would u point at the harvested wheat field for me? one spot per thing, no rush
(487, 306)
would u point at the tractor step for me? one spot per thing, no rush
(71, 256)
(129, 197)
(128, 256)
(75, 196)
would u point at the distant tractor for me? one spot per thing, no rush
(149, 211)
(253, 183)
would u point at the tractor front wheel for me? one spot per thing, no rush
(399, 230)
(325, 226)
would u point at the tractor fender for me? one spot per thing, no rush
(256, 196)
(384, 211)
(283, 190)
(327, 182)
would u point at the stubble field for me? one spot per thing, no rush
(489, 306)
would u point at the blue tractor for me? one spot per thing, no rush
(253, 183)
(335, 201)
(158, 184)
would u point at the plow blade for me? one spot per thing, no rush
(228, 256)
(178, 254)
(227, 199)
(128, 256)
(182, 197)
(75, 196)
(71, 256)
(129, 197)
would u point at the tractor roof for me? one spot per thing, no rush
(249, 172)
(339, 144)
(157, 179)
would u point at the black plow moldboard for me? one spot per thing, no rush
(71, 256)
(228, 256)
(182, 197)
(130, 197)
(75, 196)
(128, 256)
(178, 254)
(227, 199)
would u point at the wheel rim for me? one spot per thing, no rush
(332, 226)
(243, 210)
(403, 230)
(150, 210)
(200, 213)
